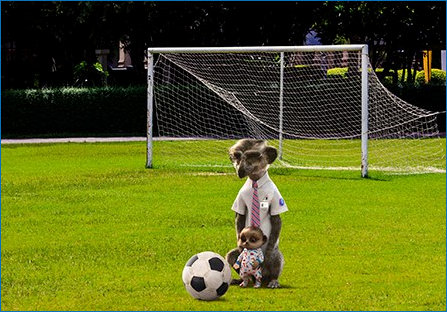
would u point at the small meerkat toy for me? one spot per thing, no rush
(249, 261)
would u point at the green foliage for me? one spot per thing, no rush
(75, 29)
(429, 96)
(89, 75)
(438, 77)
(340, 39)
(86, 227)
(338, 71)
(408, 27)
(387, 80)
(78, 111)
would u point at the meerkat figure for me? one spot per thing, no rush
(258, 203)
(250, 259)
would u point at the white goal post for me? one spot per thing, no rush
(230, 75)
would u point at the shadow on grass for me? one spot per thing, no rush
(286, 172)
(328, 174)
(283, 286)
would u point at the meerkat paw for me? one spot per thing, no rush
(244, 284)
(273, 284)
(257, 284)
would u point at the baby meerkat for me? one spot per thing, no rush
(249, 261)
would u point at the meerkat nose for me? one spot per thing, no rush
(241, 172)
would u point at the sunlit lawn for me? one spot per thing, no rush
(87, 227)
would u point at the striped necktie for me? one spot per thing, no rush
(255, 220)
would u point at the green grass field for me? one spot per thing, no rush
(87, 227)
(398, 155)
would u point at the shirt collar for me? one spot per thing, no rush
(262, 180)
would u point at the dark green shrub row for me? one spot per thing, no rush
(430, 96)
(122, 111)
(337, 71)
(74, 111)
(438, 78)
(427, 96)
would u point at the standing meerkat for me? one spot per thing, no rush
(259, 203)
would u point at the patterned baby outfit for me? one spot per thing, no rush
(246, 261)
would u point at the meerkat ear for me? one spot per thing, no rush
(270, 153)
(236, 155)
(264, 238)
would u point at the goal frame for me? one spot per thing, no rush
(272, 49)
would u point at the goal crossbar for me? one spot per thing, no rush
(273, 49)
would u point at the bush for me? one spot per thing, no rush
(74, 112)
(427, 96)
(438, 77)
(388, 80)
(338, 71)
(89, 75)
(430, 95)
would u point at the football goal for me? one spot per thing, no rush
(322, 107)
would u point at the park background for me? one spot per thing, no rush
(78, 68)
(88, 227)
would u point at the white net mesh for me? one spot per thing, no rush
(209, 100)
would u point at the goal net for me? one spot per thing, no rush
(306, 103)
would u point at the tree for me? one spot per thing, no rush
(53, 37)
(185, 24)
(50, 38)
(395, 31)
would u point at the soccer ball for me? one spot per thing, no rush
(207, 276)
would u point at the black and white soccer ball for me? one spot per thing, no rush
(207, 276)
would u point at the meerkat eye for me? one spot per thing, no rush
(243, 238)
(253, 240)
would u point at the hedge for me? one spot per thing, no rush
(122, 110)
(430, 96)
(437, 77)
(338, 71)
(73, 112)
